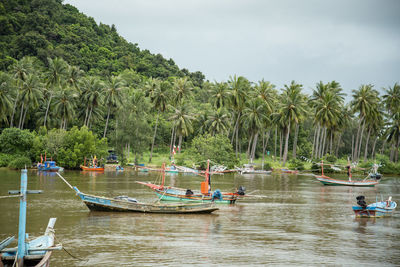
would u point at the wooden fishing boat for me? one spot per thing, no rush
(36, 252)
(330, 181)
(49, 166)
(186, 195)
(92, 168)
(249, 169)
(377, 209)
(127, 204)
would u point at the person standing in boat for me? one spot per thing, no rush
(348, 167)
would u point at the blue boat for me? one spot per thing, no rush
(36, 252)
(377, 209)
(119, 168)
(49, 166)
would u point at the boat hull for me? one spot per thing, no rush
(96, 203)
(98, 169)
(330, 181)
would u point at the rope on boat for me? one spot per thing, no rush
(19, 195)
(69, 253)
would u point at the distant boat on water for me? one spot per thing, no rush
(48, 166)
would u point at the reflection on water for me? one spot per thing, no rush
(294, 221)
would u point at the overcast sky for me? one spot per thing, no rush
(352, 42)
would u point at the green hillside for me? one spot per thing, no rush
(48, 28)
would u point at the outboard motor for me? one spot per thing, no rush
(189, 192)
(241, 190)
(378, 176)
(361, 201)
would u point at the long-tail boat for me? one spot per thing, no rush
(167, 193)
(330, 181)
(127, 204)
(377, 209)
(93, 167)
(36, 252)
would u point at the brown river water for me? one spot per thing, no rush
(297, 221)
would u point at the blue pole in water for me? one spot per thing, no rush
(22, 218)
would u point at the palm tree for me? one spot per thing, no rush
(74, 74)
(113, 96)
(182, 89)
(159, 96)
(254, 116)
(92, 96)
(6, 84)
(58, 68)
(65, 104)
(183, 121)
(220, 94)
(266, 91)
(218, 122)
(364, 100)
(238, 87)
(21, 69)
(292, 108)
(31, 92)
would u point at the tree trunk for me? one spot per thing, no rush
(397, 149)
(47, 110)
(253, 151)
(352, 147)
(331, 143)
(21, 115)
(265, 144)
(373, 148)
(285, 152)
(86, 116)
(296, 133)
(14, 109)
(154, 137)
(23, 119)
(361, 138)
(89, 117)
(323, 142)
(366, 145)
(234, 131)
(180, 143)
(237, 137)
(357, 137)
(391, 152)
(248, 146)
(280, 146)
(317, 142)
(338, 144)
(276, 138)
(172, 138)
(313, 144)
(108, 116)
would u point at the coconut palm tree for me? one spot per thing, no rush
(292, 108)
(20, 69)
(31, 93)
(65, 104)
(182, 89)
(92, 97)
(113, 96)
(220, 95)
(6, 84)
(159, 96)
(218, 122)
(183, 121)
(364, 100)
(58, 69)
(254, 116)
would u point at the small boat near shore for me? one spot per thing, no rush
(325, 180)
(127, 204)
(36, 252)
(249, 169)
(92, 168)
(49, 166)
(377, 209)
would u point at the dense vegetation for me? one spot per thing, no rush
(62, 71)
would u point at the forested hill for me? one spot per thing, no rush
(49, 28)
